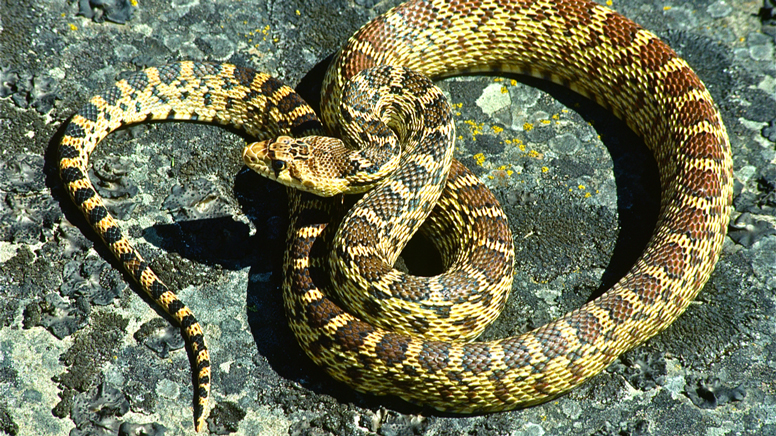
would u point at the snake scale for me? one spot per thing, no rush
(576, 43)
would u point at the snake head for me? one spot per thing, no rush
(301, 163)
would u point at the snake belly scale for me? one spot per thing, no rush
(579, 44)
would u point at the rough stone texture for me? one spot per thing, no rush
(80, 347)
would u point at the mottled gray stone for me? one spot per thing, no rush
(225, 261)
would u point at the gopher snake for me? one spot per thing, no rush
(577, 43)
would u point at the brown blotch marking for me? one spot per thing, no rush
(587, 327)
(112, 95)
(538, 17)
(515, 7)
(701, 183)
(689, 221)
(619, 309)
(371, 268)
(138, 81)
(303, 245)
(516, 354)
(456, 8)
(351, 335)
(669, 257)
(620, 31)
(476, 358)
(411, 289)
(576, 15)
(468, 322)
(169, 73)
(610, 337)
(457, 285)
(489, 262)
(704, 145)
(386, 204)
(245, 76)
(679, 82)
(552, 342)
(696, 111)
(200, 69)
(359, 60)
(362, 233)
(644, 286)
(654, 54)
(665, 141)
(434, 356)
(319, 345)
(477, 197)
(321, 312)
(418, 17)
(575, 353)
(269, 86)
(392, 348)
(290, 102)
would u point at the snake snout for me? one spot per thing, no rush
(255, 153)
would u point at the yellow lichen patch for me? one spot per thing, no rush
(497, 129)
(73, 27)
(504, 90)
(545, 169)
(666, 8)
(263, 32)
(535, 154)
(474, 128)
(517, 142)
(584, 188)
(528, 127)
(546, 122)
(513, 82)
(479, 159)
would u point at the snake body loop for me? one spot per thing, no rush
(577, 43)
(601, 55)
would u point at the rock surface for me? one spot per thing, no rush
(81, 352)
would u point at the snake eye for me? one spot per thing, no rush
(278, 165)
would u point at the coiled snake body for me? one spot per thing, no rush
(580, 44)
